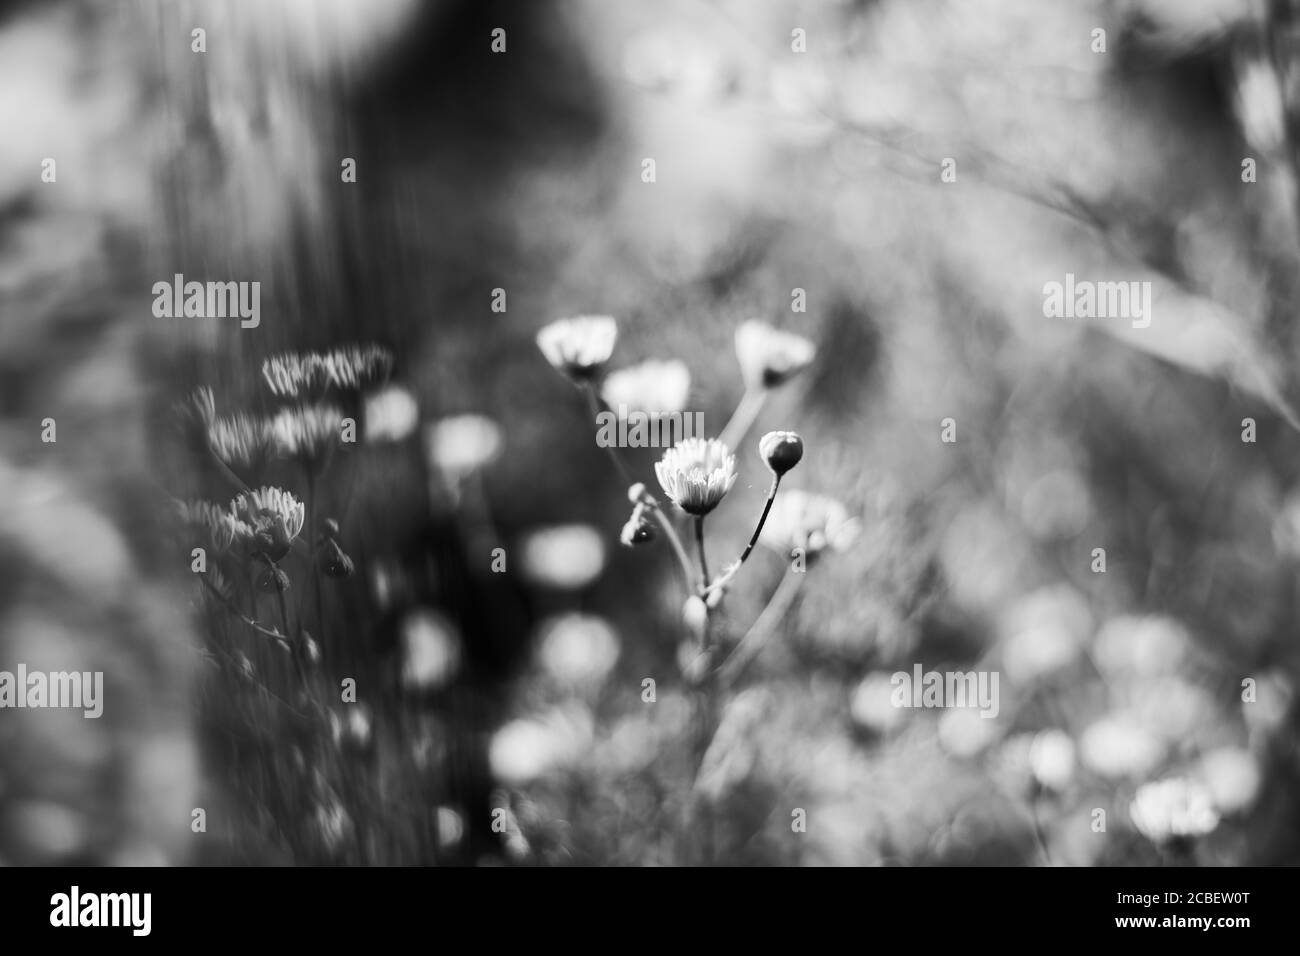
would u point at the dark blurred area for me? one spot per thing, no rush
(918, 171)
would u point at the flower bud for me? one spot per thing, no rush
(273, 579)
(781, 450)
(695, 615)
(636, 531)
(636, 492)
(332, 561)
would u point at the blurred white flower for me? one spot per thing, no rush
(675, 62)
(578, 650)
(653, 387)
(1043, 633)
(430, 650)
(333, 824)
(462, 444)
(965, 732)
(1177, 807)
(391, 415)
(1267, 713)
(1141, 646)
(1118, 746)
(450, 827)
(1051, 759)
(530, 747)
(306, 432)
(579, 347)
(872, 707)
(1258, 102)
(769, 356)
(350, 368)
(1232, 776)
(353, 727)
(813, 522)
(565, 557)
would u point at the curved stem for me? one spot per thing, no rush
(753, 540)
(742, 419)
(747, 647)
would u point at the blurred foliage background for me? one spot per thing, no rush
(516, 698)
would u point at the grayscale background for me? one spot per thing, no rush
(500, 715)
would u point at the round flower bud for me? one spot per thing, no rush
(273, 579)
(781, 450)
(636, 531)
(636, 492)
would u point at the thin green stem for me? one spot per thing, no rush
(753, 540)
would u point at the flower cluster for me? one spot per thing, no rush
(697, 472)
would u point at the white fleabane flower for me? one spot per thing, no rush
(1175, 808)
(579, 347)
(275, 517)
(462, 444)
(696, 474)
(653, 387)
(813, 522)
(769, 356)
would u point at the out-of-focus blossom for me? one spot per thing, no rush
(391, 415)
(1266, 713)
(1232, 776)
(431, 650)
(219, 525)
(780, 451)
(1117, 746)
(313, 373)
(451, 828)
(565, 557)
(676, 63)
(306, 432)
(462, 444)
(577, 650)
(1051, 759)
(1176, 807)
(333, 824)
(275, 518)
(965, 731)
(696, 474)
(1258, 102)
(653, 387)
(1142, 646)
(872, 707)
(813, 522)
(527, 748)
(1043, 633)
(241, 441)
(769, 356)
(353, 728)
(579, 347)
